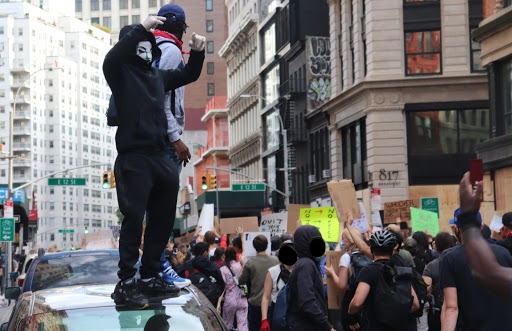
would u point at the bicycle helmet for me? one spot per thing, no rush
(383, 239)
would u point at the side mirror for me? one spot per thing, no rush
(12, 293)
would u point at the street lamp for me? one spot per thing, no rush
(285, 145)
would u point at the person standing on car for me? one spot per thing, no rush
(146, 179)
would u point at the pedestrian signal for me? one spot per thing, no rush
(212, 183)
(105, 183)
(112, 180)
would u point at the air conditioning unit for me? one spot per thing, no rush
(312, 179)
(326, 173)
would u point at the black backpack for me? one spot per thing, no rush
(357, 262)
(208, 285)
(112, 117)
(420, 287)
(393, 300)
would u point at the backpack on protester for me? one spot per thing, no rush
(279, 319)
(208, 285)
(393, 299)
(421, 289)
(112, 116)
(357, 262)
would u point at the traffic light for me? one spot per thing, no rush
(204, 181)
(86, 230)
(212, 182)
(105, 183)
(112, 179)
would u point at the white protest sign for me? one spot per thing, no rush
(275, 224)
(249, 237)
(362, 223)
(376, 220)
(496, 223)
(206, 219)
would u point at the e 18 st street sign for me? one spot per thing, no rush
(66, 181)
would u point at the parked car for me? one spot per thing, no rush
(90, 308)
(67, 269)
(20, 278)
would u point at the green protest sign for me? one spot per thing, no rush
(423, 220)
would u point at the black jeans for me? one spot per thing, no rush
(145, 182)
(254, 317)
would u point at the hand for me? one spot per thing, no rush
(329, 271)
(239, 230)
(265, 326)
(152, 22)
(197, 42)
(348, 214)
(198, 229)
(470, 197)
(182, 151)
(354, 326)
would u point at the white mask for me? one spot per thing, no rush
(144, 51)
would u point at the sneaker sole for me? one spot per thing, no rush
(182, 285)
(120, 302)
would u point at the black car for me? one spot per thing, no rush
(90, 308)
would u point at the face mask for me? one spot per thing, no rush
(144, 51)
(342, 246)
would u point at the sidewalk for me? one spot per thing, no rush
(5, 312)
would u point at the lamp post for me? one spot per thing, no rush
(285, 146)
(11, 156)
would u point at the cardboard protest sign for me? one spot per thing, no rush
(334, 295)
(248, 237)
(248, 224)
(206, 218)
(423, 220)
(294, 216)
(98, 240)
(276, 224)
(496, 223)
(185, 240)
(343, 195)
(362, 223)
(398, 209)
(325, 219)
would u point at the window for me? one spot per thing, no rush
(135, 4)
(409, 1)
(135, 19)
(210, 68)
(209, 46)
(209, 25)
(441, 141)
(211, 89)
(123, 21)
(107, 21)
(505, 91)
(78, 5)
(269, 43)
(95, 5)
(271, 85)
(152, 3)
(363, 37)
(423, 52)
(123, 4)
(209, 5)
(475, 14)
(95, 20)
(354, 158)
(107, 5)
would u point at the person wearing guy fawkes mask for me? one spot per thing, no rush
(307, 308)
(146, 179)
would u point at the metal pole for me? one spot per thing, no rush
(285, 159)
(216, 186)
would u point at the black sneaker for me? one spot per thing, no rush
(127, 293)
(158, 286)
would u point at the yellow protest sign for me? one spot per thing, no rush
(325, 219)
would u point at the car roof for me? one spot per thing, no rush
(59, 255)
(92, 296)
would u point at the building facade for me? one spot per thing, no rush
(410, 101)
(51, 74)
(495, 37)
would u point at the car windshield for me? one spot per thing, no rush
(188, 317)
(75, 270)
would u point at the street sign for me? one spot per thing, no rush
(66, 231)
(6, 229)
(66, 181)
(8, 209)
(430, 204)
(248, 187)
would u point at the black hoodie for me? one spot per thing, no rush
(139, 91)
(308, 305)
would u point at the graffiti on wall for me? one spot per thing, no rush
(318, 75)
